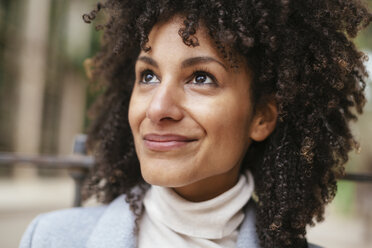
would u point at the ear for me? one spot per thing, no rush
(264, 121)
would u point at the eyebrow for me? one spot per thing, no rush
(186, 63)
(200, 60)
(148, 60)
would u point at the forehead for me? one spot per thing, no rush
(165, 41)
(164, 38)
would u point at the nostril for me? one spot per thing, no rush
(165, 104)
(166, 118)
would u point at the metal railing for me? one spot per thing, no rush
(79, 164)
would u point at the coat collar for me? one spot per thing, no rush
(115, 228)
(247, 236)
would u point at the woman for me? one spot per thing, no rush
(226, 101)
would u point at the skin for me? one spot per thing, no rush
(191, 130)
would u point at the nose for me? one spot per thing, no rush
(165, 104)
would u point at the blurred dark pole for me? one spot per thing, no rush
(56, 61)
(11, 18)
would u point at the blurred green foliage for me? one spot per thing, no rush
(364, 39)
(345, 198)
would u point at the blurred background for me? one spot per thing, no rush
(44, 97)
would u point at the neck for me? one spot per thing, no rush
(210, 187)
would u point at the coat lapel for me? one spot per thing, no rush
(115, 228)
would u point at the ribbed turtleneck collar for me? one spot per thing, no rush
(211, 219)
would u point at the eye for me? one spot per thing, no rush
(149, 77)
(203, 78)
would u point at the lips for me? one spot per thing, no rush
(167, 142)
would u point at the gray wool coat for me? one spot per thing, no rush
(108, 226)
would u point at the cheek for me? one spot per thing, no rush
(227, 130)
(135, 117)
(229, 119)
(136, 113)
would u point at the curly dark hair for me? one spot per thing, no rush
(301, 53)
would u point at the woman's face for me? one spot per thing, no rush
(190, 114)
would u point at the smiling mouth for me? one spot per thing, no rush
(166, 142)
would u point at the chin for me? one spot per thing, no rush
(165, 172)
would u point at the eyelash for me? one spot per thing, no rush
(143, 73)
(206, 72)
(196, 72)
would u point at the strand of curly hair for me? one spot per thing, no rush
(301, 53)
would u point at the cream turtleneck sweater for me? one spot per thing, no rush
(171, 221)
